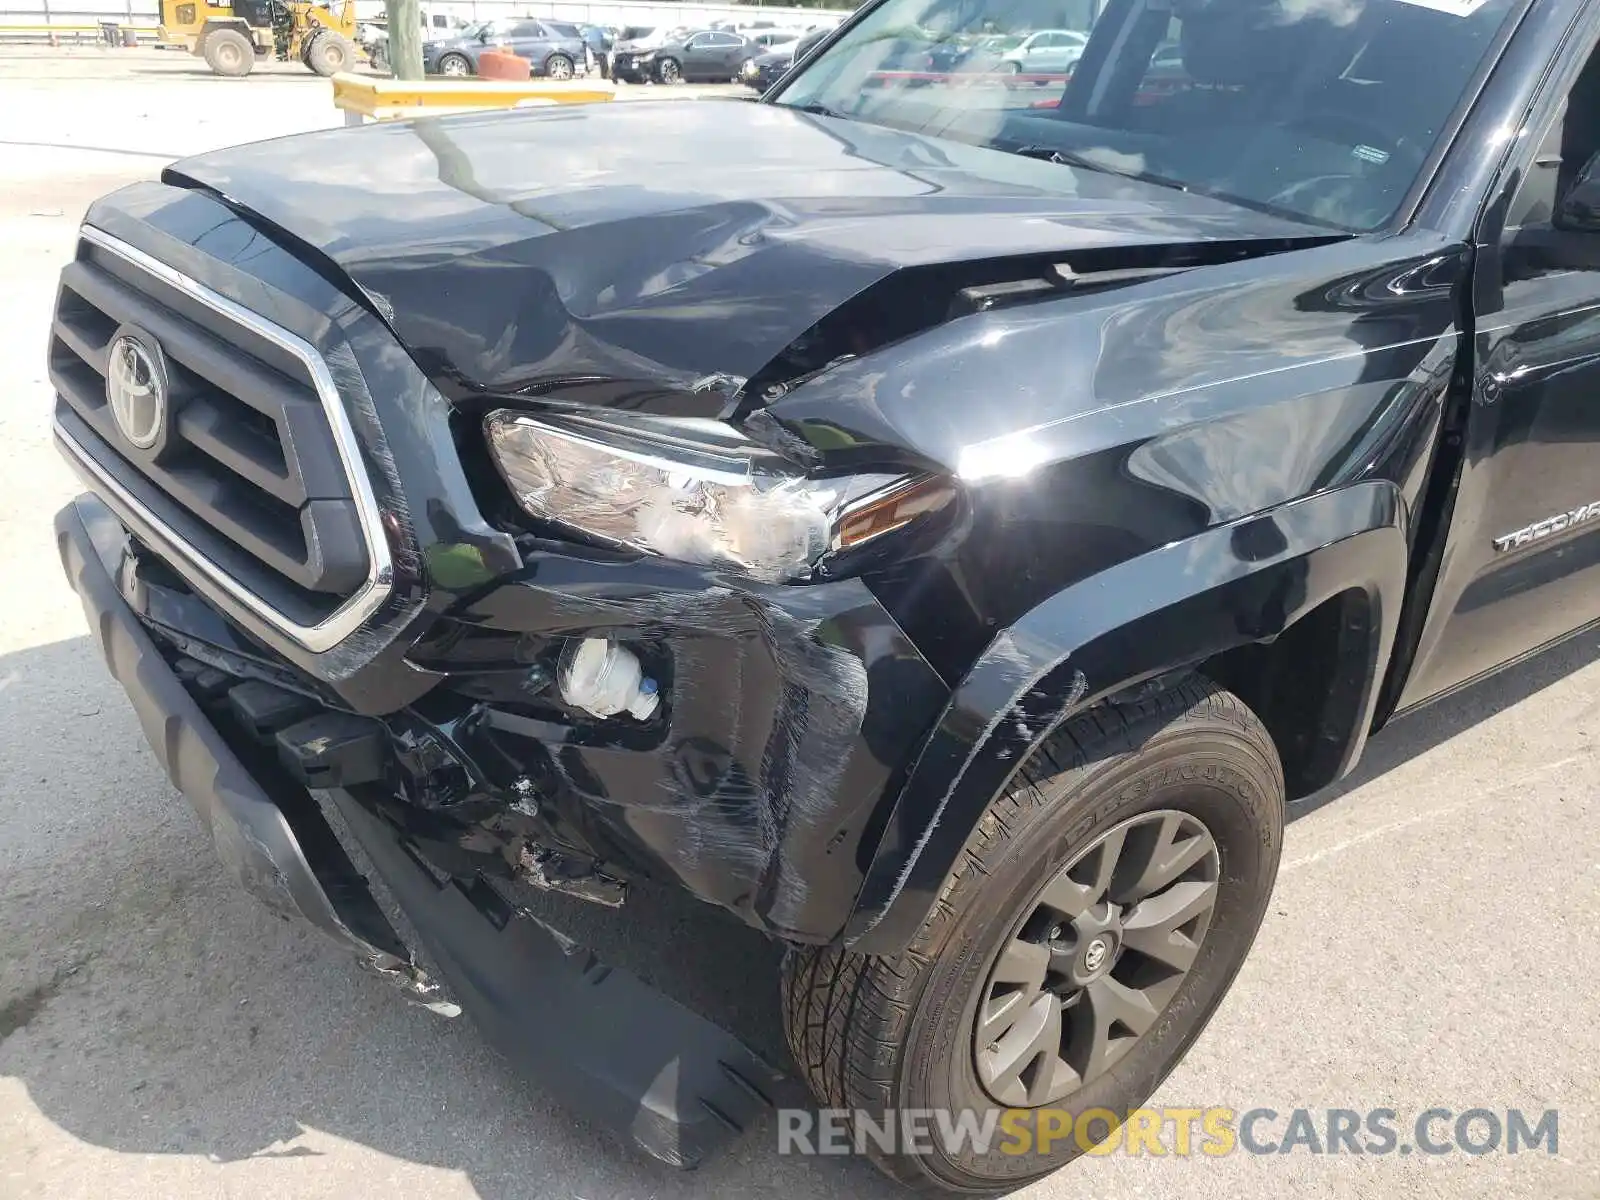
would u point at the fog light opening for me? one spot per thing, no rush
(605, 679)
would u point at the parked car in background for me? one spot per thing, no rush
(1045, 51)
(702, 56)
(982, 56)
(553, 49)
(599, 42)
(771, 39)
(373, 36)
(633, 41)
(567, 29)
(774, 65)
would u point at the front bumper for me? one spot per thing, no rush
(260, 826)
(609, 1045)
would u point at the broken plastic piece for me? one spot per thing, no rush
(552, 871)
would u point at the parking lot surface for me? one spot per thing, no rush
(1433, 942)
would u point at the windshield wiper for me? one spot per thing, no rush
(817, 109)
(1070, 158)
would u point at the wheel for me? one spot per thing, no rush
(558, 66)
(747, 70)
(305, 50)
(228, 52)
(330, 53)
(455, 65)
(1011, 68)
(1090, 928)
(669, 70)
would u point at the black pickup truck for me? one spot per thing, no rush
(942, 529)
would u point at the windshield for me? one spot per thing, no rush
(1321, 110)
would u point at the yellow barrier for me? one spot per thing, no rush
(361, 96)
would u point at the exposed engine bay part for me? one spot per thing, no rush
(604, 679)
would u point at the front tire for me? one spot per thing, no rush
(669, 70)
(1113, 895)
(455, 65)
(330, 53)
(228, 52)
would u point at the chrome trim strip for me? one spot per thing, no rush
(379, 583)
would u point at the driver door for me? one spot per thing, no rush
(1522, 563)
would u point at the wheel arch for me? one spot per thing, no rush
(1242, 603)
(215, 24)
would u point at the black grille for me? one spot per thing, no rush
(249, 473)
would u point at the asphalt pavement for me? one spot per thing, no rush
(1433, 942)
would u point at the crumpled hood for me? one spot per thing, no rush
(663, 242)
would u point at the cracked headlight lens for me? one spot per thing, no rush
(697, 492)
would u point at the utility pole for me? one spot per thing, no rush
(405, 38)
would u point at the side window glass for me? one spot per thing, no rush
(1568, 145)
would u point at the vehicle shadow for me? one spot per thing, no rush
(148, 1006)
(297, 75)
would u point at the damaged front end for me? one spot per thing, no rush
(414, 891)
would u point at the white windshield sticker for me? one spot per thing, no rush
(1456, 8)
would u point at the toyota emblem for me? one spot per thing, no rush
(1095, 955)
(136, 389)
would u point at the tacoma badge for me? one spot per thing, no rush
(1540, 530)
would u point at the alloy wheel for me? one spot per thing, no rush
(1097, 956)
(453, 66)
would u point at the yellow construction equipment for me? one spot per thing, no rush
(233, 34)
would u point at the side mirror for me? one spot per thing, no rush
(1579, 211)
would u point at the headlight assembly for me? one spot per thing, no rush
(696, 492)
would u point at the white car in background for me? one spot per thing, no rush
(1045, 51)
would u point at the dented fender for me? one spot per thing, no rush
(1231, 586)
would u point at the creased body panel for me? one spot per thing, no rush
(513, 249)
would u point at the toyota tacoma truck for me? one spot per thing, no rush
(941, 526)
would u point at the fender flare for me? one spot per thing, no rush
(1231, 586)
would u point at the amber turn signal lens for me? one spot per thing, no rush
(890, 510)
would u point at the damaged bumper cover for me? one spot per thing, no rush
(261, 837)
(786, 714)
(609, 1044)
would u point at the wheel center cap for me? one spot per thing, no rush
(1095, 955)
